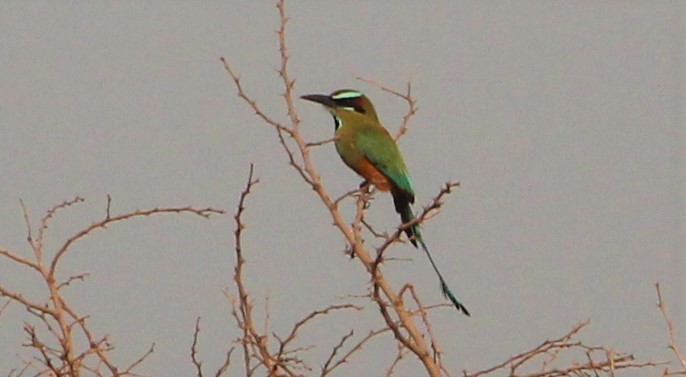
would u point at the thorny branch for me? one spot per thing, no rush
(255, 344)
(407, 96)
(194, 355)
(427, 212)
(672, 336)
(600, 360)
(70, 346)
(204, 212)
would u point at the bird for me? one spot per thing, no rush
(367, 148)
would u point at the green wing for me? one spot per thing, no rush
(377, 146)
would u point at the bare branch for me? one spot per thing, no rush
(670, 328)
(320, 143)
(330, 365)
(194, 354)
(24, 301)
(254, 344)
(4, 306)
(227, 362)
(204, 212)
(280, 128)
(427, 212)
(407, 96)
(609, 363)
(25, 211)
(81, 277)
(423, 314)
(253, 103)
(49, 215)
(291, 336)
(402, 351)
(59, 349)
(327, 367)
(194, 350)
(349, 194)
(288, 83)
(20, 260)
(135, 364)
(109, 205)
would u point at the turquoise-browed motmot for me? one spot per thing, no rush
(368, 149)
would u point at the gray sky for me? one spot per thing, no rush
(564, 122)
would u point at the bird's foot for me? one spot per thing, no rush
(366, 191)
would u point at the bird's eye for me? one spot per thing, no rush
(352, 104)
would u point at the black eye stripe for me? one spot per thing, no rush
(350, 102)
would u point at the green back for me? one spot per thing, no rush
(375, 144)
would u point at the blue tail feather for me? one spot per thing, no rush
(447, 293)
(416, 237)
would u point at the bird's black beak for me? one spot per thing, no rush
(320, 99)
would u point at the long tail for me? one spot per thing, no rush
(416, 236)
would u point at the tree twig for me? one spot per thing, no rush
(407, 96)
(670, 329)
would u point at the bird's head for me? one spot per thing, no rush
(345, 104)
